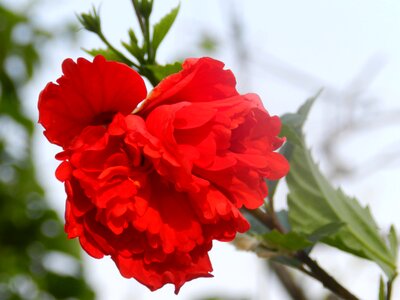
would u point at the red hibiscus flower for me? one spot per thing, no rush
(154, 188)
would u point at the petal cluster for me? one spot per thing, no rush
(154, 189)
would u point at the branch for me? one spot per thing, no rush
(287, 281)
(327, 280)
(315, 270)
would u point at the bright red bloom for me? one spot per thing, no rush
(154, 189)
(87, 94)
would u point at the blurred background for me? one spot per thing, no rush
(285, 51)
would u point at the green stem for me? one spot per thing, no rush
(389, 286)
(122, 56)
(149, 75)
(150, 58)
(262, 217)
(271, 212)
(144, 24)
(138, 15)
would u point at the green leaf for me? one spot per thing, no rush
(132, 36)
(161, 29)
(291, 241)
(314, 203)
(325, 231)
(393, 241)
(135, 50)
(292, 124)
(382, 293)
(296, 120)
(107, 53)
(289, 131)
(160, 72)
(133, 47)
(294, 241)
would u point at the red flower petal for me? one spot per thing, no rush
(202, 79)
(89, 93)
(177, 269)
(64, 171)
(172, 218)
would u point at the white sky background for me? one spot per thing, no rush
(294, 48)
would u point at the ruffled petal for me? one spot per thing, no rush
(88, 93)
(202, 79)
(177, 268)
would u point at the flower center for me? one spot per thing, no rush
(103, 118)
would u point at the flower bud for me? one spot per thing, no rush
(146, 7)
(91, 21)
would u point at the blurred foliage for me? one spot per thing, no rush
(36, 259)
(208, 43)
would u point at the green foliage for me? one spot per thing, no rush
(145, 54)
(286, 243)
(30, 231)
(161, 29)
(107, 53)
(393, 242)
(292, 124)
(314, 203)
(160, 72)
(25, 53)
(325, 231)
(291, 241)
(208, 43)
(134, 49)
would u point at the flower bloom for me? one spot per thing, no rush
(154, 188)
